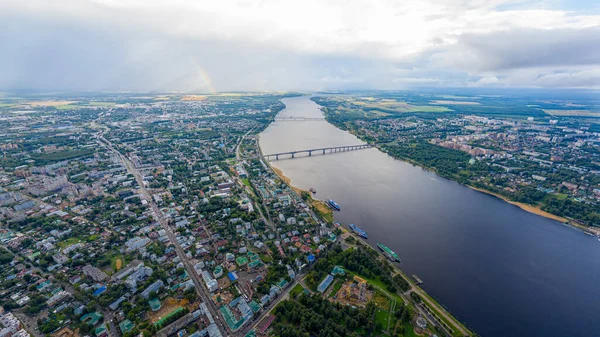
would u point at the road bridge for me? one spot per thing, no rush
(298, 119)
(323, 150)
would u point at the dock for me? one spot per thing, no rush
(417, 279)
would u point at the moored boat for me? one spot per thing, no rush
(358, 231)
(333, 205)
(390, 254)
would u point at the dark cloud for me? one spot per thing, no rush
(526, 48)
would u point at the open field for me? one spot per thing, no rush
(298, 288)
(117, 263)
(106, 104)
(50, 103)
(167, 306)
(572, 113)
(193, 98)
(444, 102)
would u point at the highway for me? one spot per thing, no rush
(202, 292)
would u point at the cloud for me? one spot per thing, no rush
(525, 48)
(285, 45)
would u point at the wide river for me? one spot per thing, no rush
(502, 270)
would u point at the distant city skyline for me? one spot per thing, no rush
(206, 46)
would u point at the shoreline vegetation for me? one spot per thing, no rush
(537, 210)
(326, 213)
(534, 209)
(320, 204)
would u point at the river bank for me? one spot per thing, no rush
(477, 255)
(318, 206)
(534, 209)
(321, 208)
(538, 211)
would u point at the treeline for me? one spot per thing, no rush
(573, 209)
(447, 163)
(315, 316)
(454, 164)
(360, 261)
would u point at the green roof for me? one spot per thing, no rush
(91, 318)
(255, 263)
(229, 317)
(100, 329)
(126, 326)
(154, 304)
(254, 306)
(241, 260)
(337, 270)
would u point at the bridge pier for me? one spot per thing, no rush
(323, 151)
(309, 153)
(276, 157)
(293, 153)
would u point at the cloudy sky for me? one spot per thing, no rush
(210, 45)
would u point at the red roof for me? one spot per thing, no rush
(265, 324)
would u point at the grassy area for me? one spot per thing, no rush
(68, 242)
(117, 262)
(452, 325)
(92, 238)
(106, 104)
(246, 182)
(67, 107)
(322, 210)
(382, 287)
(298, 288)
(48, 158)
(381, 318)
(428, 108)
(336, 286)
(409, 331)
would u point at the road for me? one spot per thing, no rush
(202, 292)
(266, 310)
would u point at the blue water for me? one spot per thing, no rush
(502, 270)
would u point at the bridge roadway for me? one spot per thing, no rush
(298, 119)
(323, 150)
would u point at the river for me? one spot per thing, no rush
(500, 269)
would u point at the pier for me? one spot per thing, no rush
(417, 279)
(324, 150)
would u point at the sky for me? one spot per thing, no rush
(283, 45)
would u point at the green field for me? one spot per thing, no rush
(246, 182)
(298, 288)
(336, 286)
(428, 108)
(67, 107)
(68, 242)
(48, 158)
(106, 104)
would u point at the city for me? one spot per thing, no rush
(245, 168)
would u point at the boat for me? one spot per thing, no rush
(313, 190)
(388, 252)
(358, 231)
(333, 205)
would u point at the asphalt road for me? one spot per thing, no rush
(202, 292)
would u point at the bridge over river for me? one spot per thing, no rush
(298, 119)
(323, 150)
